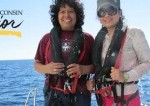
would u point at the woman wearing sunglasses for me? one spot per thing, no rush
(121, 56)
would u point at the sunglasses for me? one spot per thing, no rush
(110, 11)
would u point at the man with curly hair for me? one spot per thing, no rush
(65, 53)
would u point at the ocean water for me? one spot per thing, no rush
(18, 77)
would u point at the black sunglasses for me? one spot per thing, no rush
(109, 10)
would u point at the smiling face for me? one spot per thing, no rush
(109, 17)
(67, 17)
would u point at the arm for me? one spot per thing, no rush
(142, 51)
(140, 59)
(50, 68)
(41, 64)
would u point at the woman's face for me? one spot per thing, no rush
(67, 18)
(109, 17)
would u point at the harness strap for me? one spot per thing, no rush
(127, 83)
(122, 94)
(121, 99)
(68, 88)
(126, 102)
(74, 57)
(117, 64)
(102, 91)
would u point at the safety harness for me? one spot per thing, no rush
(104, 84)
(75, 56)
(70, 84)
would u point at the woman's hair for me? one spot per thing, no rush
(78, 8)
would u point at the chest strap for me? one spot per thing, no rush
(121, 99)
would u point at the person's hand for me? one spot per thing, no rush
(74, 69)
(116, 75)
(54, 68)
(90, 84)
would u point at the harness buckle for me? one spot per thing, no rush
(67, 85)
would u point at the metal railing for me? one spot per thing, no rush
(34, 93)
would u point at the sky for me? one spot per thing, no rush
(36, 23)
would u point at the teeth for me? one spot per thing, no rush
(67, 20)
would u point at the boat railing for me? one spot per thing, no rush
(34, 93)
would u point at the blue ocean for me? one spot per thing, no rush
(18, 77)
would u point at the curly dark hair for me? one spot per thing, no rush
(78, 7)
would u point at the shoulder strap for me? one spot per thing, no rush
(117, 64)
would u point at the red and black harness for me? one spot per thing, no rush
(104, 85)
(74, 57)
(70, 84)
